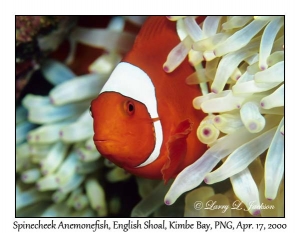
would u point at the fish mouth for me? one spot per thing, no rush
(107, 148)
(104, 146)
(105, 140)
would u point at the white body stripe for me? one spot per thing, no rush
(131, 81)
(159, 138)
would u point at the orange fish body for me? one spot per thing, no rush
(144, 120)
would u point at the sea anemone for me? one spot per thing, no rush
(239, 63)
(59, 171)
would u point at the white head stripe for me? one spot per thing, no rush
(131, 81)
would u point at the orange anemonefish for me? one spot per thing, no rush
(144, 120)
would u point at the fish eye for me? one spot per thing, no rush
(130, 107)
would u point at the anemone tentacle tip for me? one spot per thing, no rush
(206, 132)
(167, 202)
(166, 69)
(262, 68)
(217, 119)
(214, 91)
(256, 212)
(252, 126)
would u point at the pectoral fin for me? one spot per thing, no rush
(177, 148)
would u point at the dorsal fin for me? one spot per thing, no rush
(156, 39)
(155, 27)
